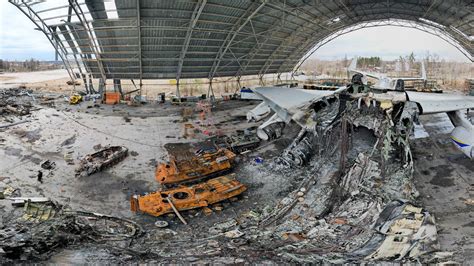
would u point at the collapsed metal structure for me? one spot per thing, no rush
(147, 39)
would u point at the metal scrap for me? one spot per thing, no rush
(409, 231)
(57, 227)
(192, 162)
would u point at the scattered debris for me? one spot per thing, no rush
(207, 211)
(35, 211)
(409, 231)
(68, 157)
(44, 228)
(8, 192)
(239, 143)
(233, 233)
(48, 165)
(21, 201)
(161, 224)
(223, 226)
(14, 123)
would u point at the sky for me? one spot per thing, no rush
(19, 41)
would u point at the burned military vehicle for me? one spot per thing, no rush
(241, 142)
(101, 160)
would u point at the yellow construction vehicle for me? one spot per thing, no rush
(75, 99)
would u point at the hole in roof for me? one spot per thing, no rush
(111, 9)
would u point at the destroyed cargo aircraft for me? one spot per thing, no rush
(311, 109)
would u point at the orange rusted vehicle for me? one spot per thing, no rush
(186, 198)
(188, 166)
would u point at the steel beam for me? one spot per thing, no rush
(192, 24)
(139, 32)
(274, 28)
(80, 15)
(230, 38)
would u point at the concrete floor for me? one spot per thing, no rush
(443, 175)
(53, 133)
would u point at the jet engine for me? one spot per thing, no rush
(271, 129)
(259, 112)
(464, 140)
(463, 133)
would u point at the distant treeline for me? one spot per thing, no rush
(447, 73)
(373, 61)
(27, 65)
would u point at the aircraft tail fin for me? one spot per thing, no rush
(423, 70)
(353, 65)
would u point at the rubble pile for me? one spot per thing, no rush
(337, 211)
(14, 102)
(35, 236)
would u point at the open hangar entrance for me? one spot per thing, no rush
(149, 40)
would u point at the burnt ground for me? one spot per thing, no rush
(58, 131)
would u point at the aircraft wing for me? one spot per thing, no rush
(431, 103)
(285, 101)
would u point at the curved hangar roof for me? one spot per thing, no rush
(153, 39)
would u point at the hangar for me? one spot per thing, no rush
(145, 39)
(353, 172)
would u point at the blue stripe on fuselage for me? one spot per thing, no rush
(460, 144)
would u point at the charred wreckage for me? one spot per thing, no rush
(354, 202)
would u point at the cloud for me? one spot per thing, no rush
(18, 39)
(388, 42)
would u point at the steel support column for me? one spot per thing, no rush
(82, 19)
(192, 24)
(139, 32)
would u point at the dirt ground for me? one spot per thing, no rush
(56, 81)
